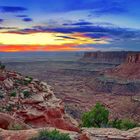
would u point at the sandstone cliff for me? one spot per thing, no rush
(115, 57)
(130, 69)
(124, 79)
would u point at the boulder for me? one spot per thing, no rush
(8, 83)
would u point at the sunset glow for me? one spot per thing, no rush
(66, 47)
(12, 42)
(72, 25)
(44, 39)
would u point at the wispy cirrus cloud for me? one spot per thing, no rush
(109, 7)
(12, 9)
(27, 19)
(100, 6)
(110, 10)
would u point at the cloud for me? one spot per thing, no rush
(66, 37)
(12, 9)
(22, 16)
(1, 20)
(112, 7)
(110, 10)
(8, 28)
(83, 29)
(96, 35)
(98, 32)
(95, 31)
(27, 19)
(78, 23)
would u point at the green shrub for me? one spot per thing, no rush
(2, 66)
(19, 82)
(13, 94)
(51, 135)
(26, 94)
(97, 117)
(27, 80)
(123, 124)
(15, 127)
(30, 79)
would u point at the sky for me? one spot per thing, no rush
(69, 25)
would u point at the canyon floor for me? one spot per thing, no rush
(74, 82)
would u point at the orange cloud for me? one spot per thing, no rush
(13, 42)
(17, 48)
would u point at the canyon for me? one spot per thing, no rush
(76, 86)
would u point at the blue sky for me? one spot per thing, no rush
(117, 20)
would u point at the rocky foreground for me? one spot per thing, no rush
(32, 105)
(30, 102)
(86, 134)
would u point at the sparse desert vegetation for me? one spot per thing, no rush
(51, 135)
(15, 126)
(99, 117)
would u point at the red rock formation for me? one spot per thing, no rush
(2, 78)
(6, 121)
(32, 102)
(84, 137)
(115, 57)
(130, 69)
(133, 58)
(48, 117)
